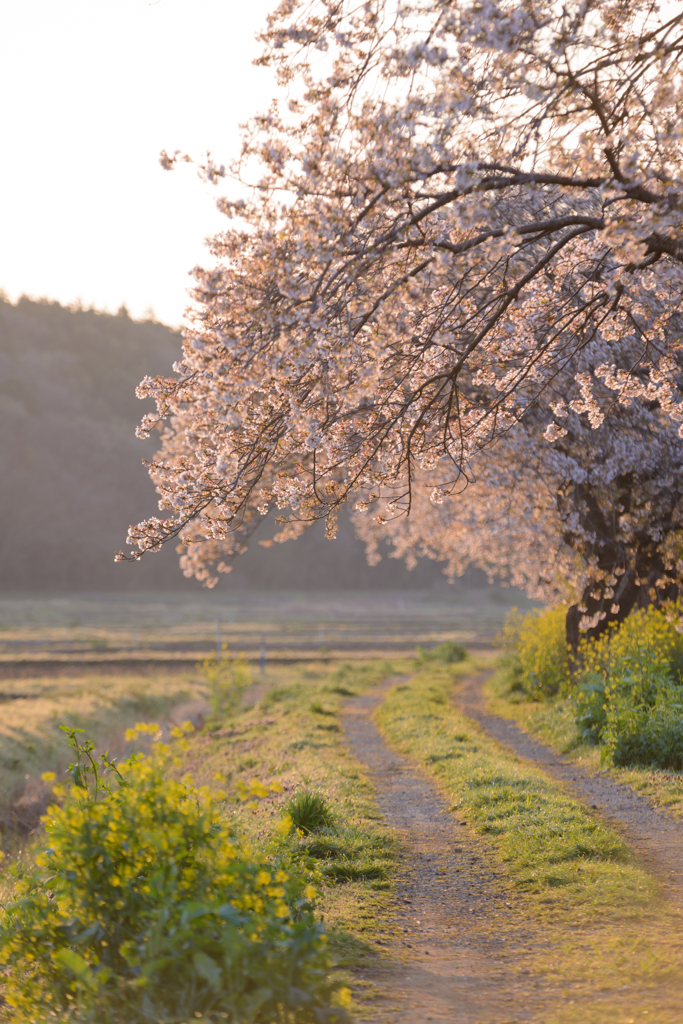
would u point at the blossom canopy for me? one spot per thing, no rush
(464, 238)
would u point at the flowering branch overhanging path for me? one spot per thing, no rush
(455, 291)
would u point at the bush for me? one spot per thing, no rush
(649, 735)
(448, 653)
(535, 651)
(626, 686)
(141, 907)
(628, 693)
(309, 811)
(227, 679)
(591, 707)
(638, 653)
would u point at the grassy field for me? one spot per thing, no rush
(553, 721)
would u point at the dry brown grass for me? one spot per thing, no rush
(104, 705)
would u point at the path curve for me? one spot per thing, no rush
(656, 837)
(454, 969)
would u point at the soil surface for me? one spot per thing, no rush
(656, 838)
(448, 902)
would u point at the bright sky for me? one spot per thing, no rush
(90, 92)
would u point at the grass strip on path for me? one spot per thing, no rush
(553, 721)
(552, 847)
(600, 916)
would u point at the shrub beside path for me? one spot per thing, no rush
(454, 962)
(656, 837)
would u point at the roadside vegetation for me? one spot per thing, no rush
(596, 920)
(104, 705)
(291, 735)
(142, 906)
(237, 874)
(166, 881)
(620, 711)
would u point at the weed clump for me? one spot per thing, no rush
(318, 709)
(309, 811)
(448, 653)
(649, 735)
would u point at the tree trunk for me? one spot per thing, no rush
(600, 600)
(630, 566)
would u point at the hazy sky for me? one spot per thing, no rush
(90, 92)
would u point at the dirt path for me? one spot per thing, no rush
(455, 967)
(657, 838)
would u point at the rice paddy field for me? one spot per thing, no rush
(288, 624)
(103, 662)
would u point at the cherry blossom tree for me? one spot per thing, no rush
(594, 519)
(462, 253)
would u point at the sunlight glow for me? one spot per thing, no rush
(92, 91)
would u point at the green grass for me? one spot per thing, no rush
(552, 847)
(589, 921)
(287, 738)
(310, 812)
(553, 721)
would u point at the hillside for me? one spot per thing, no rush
(72, 478)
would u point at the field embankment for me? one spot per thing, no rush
(103, 705)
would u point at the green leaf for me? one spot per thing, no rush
(194, 910)
(77, 965)
(208, 969)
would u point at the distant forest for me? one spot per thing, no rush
(72, 477)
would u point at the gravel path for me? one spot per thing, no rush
(657, 838)
(455, 965)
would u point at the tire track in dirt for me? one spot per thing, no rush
(448, 901)
(656, 838)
